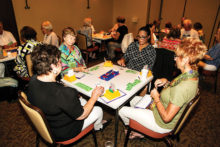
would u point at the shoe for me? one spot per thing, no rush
(105, 124)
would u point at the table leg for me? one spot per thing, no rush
(116, 127)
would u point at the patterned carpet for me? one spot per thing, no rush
(202, 130)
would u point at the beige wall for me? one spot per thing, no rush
(104, 12)
(203, 11)
(131, 9)
(63, 13)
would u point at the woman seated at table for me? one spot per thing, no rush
(212, 57)
(139, 53)
(172, 40)
(66, 113)
(170, 103)
(87, 30)
(28, 37)
(71, 56)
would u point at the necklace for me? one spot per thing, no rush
(183, 77)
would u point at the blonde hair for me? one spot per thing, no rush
(192, 48)
(47, 25)
(87, 21)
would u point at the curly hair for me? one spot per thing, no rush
(192, 48)
(43, 56)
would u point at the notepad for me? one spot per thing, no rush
(83, 86)
(144, 102)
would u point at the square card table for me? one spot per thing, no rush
(127, 82)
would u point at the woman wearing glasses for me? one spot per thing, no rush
(171, 102)
(139, 53)
(71, 56)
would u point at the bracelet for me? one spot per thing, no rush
(167, 84)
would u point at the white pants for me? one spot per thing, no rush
(2, 70)
(210, 67)
(111, 49)
(96, 116)
(143, 116)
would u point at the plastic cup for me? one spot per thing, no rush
(109, 144)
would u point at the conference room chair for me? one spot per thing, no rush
(40, 123)
(134, 125)
(81, 41)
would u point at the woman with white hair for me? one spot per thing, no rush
(88, 30)
(50, 37)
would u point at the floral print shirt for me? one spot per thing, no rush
(70, 59)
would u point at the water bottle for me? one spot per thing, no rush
(144, 73)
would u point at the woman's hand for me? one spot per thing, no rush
(97, 92)
(155, 95)
(160, 82)
(121, 62)
(81, 69)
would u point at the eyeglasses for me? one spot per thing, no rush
(141, 37)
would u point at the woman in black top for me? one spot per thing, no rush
(63, 109)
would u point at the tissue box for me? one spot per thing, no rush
(108, 64)
(69, 78)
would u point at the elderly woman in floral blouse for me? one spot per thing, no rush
(71, 56)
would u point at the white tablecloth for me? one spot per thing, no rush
(120, 81)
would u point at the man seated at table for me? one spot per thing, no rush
(187, 30)
(7, 40)
(117, 38)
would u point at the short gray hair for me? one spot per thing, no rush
(47, 25)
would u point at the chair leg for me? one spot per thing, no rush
(168, 142)
(216, 79)
(127, 136)
(94, 137)
(37, 140)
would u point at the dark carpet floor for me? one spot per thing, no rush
(201, 130)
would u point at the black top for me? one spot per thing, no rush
(122, 30)
(60, 105)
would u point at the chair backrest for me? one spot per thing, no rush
(37, 118)
(186, 113)
(127, 40)
(164, 65)
(29, 65)
(81, 41)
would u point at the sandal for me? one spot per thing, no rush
(134, 135)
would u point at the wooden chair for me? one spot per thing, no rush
(214, 74)
(134, 125)
(81, 41)
(29, 65)
(40, 123)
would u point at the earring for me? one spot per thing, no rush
(54, 72)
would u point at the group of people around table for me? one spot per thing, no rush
(68, 114)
